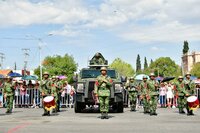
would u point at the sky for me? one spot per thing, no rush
(116, 28)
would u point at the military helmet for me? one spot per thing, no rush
(151, 74)
(103, 69)
(131, 78)
(188, 74)
(97, 54)
(45, 73)
(54, 77)
(8, 77)
(145, 77)
(180, 77)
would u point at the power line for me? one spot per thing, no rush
(26, 55)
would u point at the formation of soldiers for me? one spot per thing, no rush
(48, 87)
(148, 91)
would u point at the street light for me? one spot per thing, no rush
(40, 43)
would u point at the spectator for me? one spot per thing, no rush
(23, 92)
(68, 90)
(162, 95)
(169, 95)
(1, 93)
(36, 95)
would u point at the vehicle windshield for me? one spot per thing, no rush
(95, 73)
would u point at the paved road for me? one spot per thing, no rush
(31, 121)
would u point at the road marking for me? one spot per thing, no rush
(12, 130)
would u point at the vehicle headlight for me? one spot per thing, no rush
(80, 87)
(118, 88)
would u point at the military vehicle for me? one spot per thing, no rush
(85, 82)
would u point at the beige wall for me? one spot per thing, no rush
(188, 60)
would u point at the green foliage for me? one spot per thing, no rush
(185, 47)
(138, 64)
(196, 70)
(145, 63)
(164, 66)
(58, 65)
(122, 67)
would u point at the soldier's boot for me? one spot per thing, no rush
(181, 111)
(7, 111)
(106, 116)
(48, 113)
(102, 115)
(190, 112)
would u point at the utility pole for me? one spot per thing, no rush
(26, 55)
(2, 57)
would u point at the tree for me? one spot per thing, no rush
(164, 66)
(185, 47)
(196, 70)
(58, 65)
(145, 63)
(138, 64)
(122, 67)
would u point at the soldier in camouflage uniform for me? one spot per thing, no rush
(153, 93)
(144, 94)
(132, 88)
(45, 89)
(190, 89)
(8, 92)
(102, 90)
(181, 92)
(60, 89)
(97, 60)
(54, 91)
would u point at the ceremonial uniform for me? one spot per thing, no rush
(102, 89)
(45, 89)
(9, 94)
(153, 93)
(144, 95)
(54, 92)
(181, 92)
(190, 89)
(133, 93)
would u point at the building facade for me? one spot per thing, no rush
(188, 60)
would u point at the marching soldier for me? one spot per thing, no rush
(190, 89)
(45, 87)
(60, 89)
(181, 92)
(54, 91)
(9, 93)
(144, 94)
(153, 93)
(133, 93)
(102, 90)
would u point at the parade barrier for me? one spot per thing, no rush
(30, 98)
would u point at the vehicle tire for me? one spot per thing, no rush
(120, 107)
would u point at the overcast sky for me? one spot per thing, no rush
(116, 28)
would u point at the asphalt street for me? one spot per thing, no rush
(25, 120)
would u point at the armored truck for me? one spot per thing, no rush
(85, 83)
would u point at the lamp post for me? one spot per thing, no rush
(40, 43)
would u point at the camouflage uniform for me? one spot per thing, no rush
(59, 90)
(97, 60)
(9, 93)
(54, 92)
(45, 88)
(144, 94)
(153, 93)
(102, 88)
(190, 89)
(181, 92)
(133, 93)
